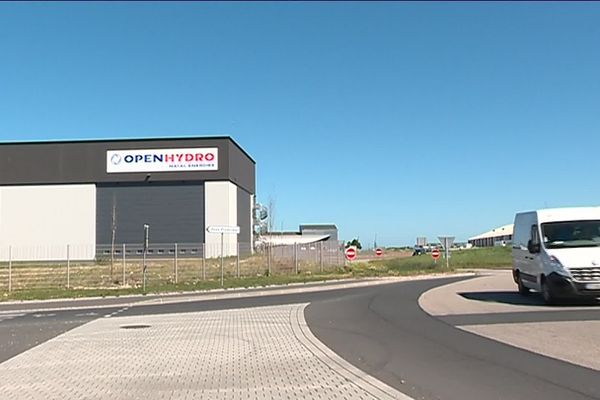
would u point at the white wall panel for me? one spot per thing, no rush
(220, 208)
(38, 222)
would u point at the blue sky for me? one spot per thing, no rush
(390, 119)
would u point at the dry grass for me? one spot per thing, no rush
(91, 275)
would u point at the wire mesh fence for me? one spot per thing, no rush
(122, 265)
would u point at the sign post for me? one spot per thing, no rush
(446, 242)
(223, 229)
(146, 235)
(222, 268)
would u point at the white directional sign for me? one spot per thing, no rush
(223, 229)
(446, 242)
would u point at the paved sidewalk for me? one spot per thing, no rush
(498, 312)
(255, 353)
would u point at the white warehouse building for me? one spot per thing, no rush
(496, 237)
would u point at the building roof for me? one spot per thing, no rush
(500, 231)
(127, 139)
(317, 226)
(280, 239)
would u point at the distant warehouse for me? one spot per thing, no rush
(496, 237)
(86, 194)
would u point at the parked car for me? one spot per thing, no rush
(418, 250)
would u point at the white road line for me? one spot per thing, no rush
(6, 317)
(89, 314)
(44, 315)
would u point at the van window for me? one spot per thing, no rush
(522, 230)
(571, 234)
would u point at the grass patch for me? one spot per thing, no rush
(493, 257)
(496, 257)
(191, 286)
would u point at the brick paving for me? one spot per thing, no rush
(254, 353)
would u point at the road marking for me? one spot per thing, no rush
(6, 317)
(114, 313)
(43, 315)
(89, 314)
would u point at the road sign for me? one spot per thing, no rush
(223, 229)
(446, 242)
(435, 253)
(350, 253)
(378, 252)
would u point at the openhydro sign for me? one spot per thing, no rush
(163, 160)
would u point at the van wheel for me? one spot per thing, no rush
(523, 290)
(547, 294)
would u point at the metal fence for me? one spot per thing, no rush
(122, 265)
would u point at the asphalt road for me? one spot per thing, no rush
(381, 330)
(384, 332)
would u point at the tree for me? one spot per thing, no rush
(354, 242)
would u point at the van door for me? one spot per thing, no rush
(533, 261)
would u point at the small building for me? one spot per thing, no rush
(312, 233)
(320, 229)
(496, 237)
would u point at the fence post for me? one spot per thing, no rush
(222, 265)
(203, 261)
(321, 257)
(144, 270)
(68, 267)
(296, 257)
(176, 263)
(238, 260)
(269, 247)
(10, 268)
(123, 281)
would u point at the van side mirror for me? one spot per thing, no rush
(533, 248)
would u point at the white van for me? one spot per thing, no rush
(557, 252)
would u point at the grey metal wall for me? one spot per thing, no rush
(240, 171)
(85, 162)
(175, 212)
(244, 216)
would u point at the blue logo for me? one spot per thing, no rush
(115, 159)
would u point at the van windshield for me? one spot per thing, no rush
(571, 234)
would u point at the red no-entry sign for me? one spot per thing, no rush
(350, 253)
(378, 252)
(435, 253)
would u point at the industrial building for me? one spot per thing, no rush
(496, 237)
(79, 196)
